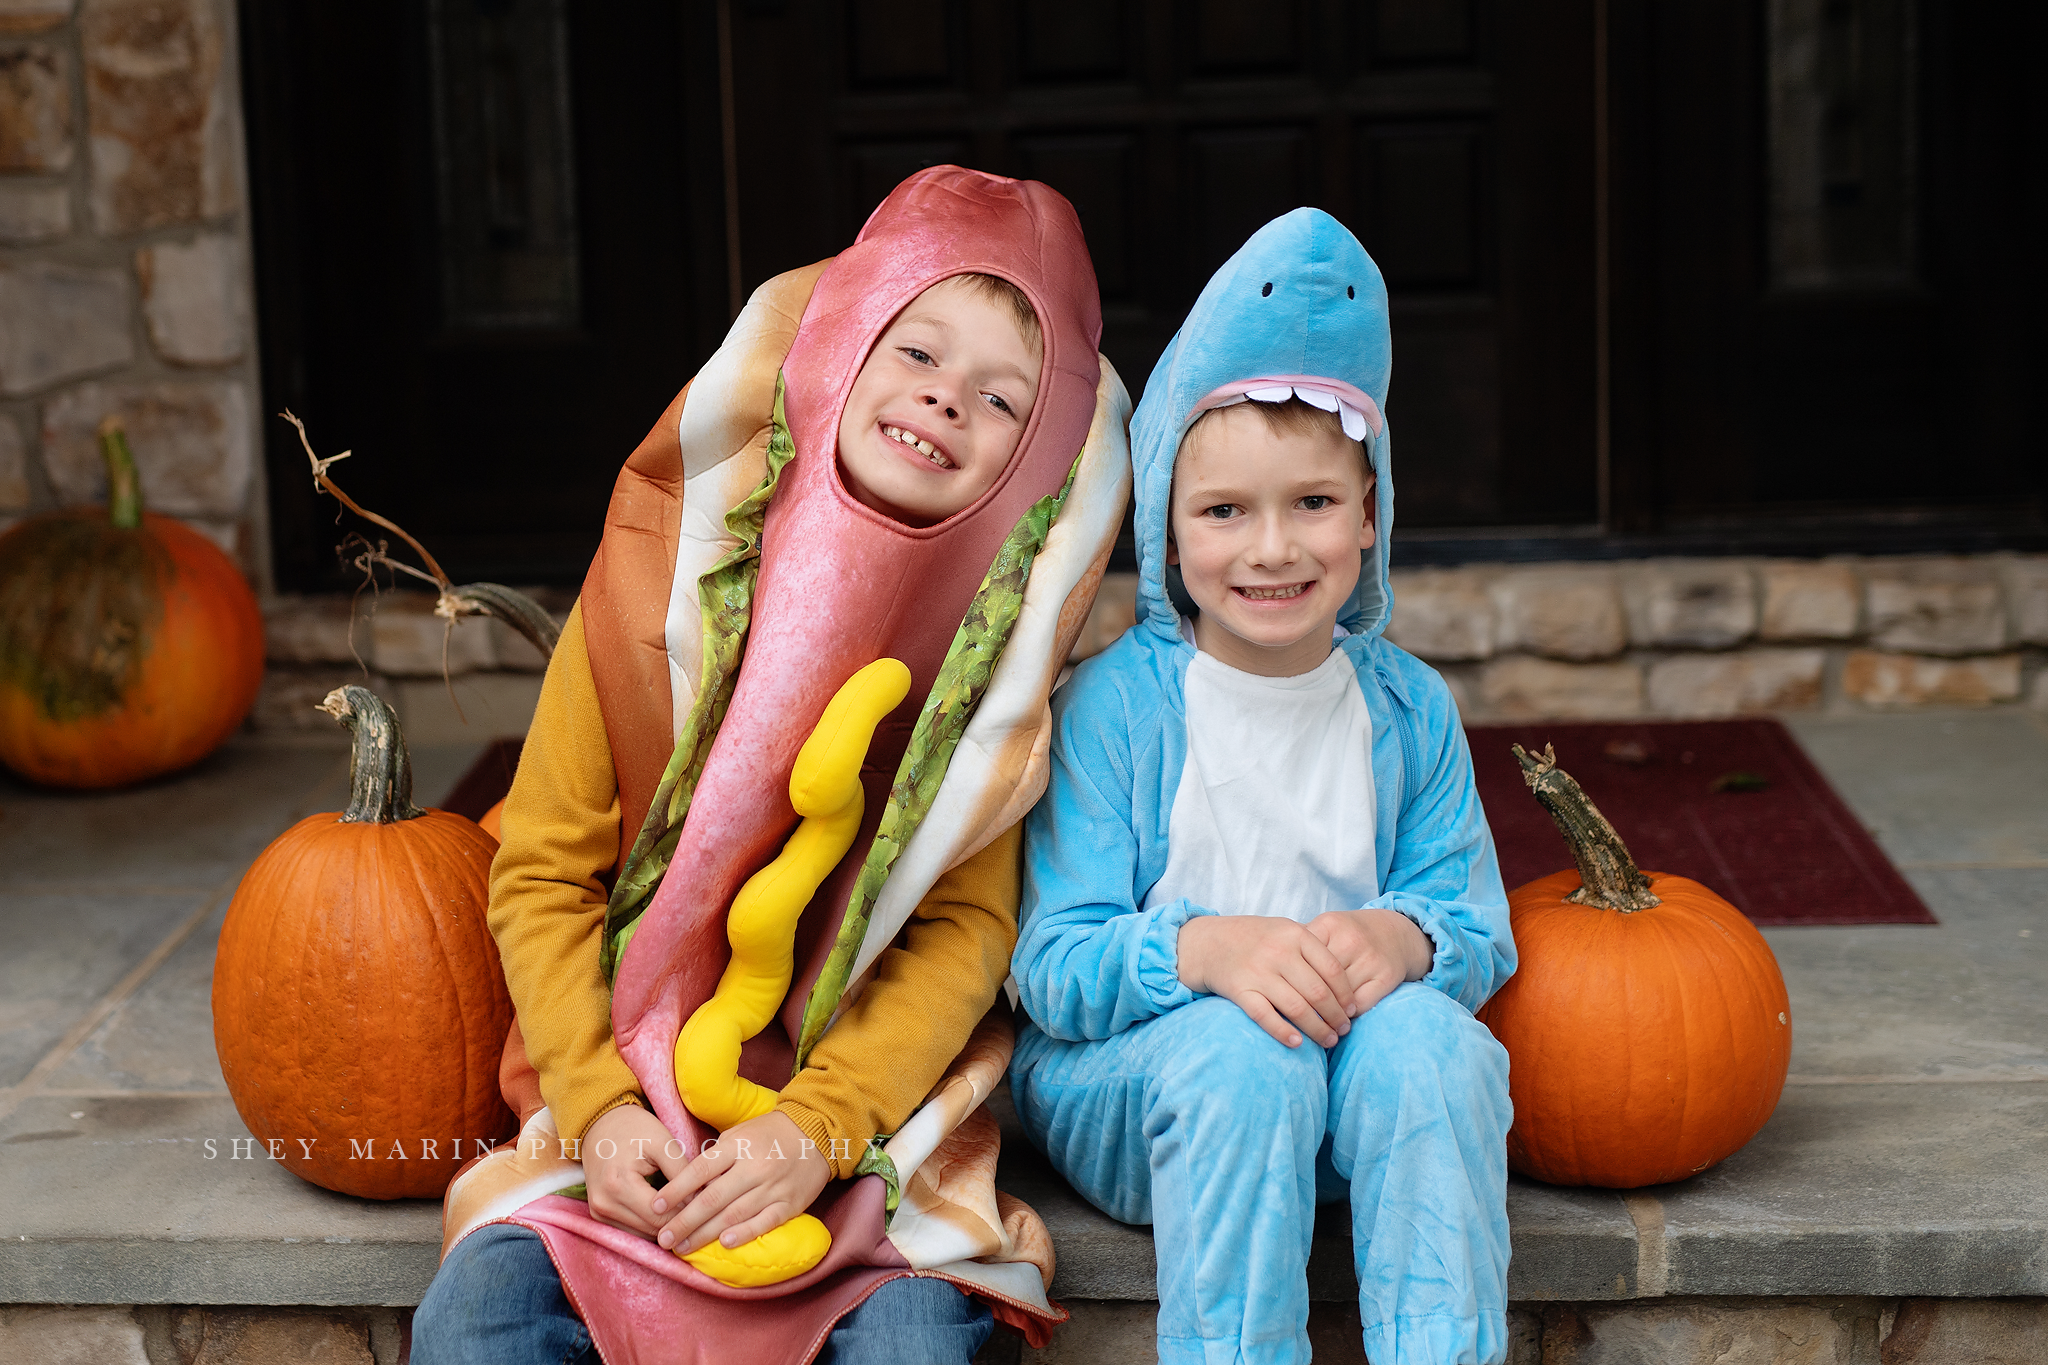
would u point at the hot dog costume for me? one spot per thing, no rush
(738, 586)
(1177, 1110)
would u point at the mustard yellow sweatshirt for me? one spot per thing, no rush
(562, 838)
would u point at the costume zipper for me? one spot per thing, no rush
(1411, 763)
(1411, 754)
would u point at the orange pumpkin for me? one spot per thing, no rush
(493, 820)
(359, 1009)
(130, 646)
(1647, 1026)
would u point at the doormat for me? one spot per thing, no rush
(1733, 804)
(486, 781)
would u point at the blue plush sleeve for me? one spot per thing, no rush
(1445, 875)
(1089, 963)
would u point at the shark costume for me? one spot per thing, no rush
(1168, 1108)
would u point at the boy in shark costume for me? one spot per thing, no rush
(1171, 1105)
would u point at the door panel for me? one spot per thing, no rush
(1177, 127)
(488, 252)
(1234, 39)
(896, 44)
(1096, 172)
(1842, 236)
(1425, 188)
(491, 235)
(1423, 31)
(1239, 179)
(490, 307)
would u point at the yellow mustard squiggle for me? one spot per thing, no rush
(761, 926)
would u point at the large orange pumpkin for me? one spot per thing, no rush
(359, 1008)
(1647, 1026)
(130, 646)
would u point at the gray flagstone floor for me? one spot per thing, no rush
(1907, 1158)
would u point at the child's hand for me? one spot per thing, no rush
(1379, 949)
(761, 1174)
(1275, 970)
(637, 1145)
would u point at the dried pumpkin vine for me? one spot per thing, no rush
(452, 601)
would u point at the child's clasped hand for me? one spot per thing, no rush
(1297, 980)
(757, 1176)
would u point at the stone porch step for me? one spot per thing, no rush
(1905, 1159)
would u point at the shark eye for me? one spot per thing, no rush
(1350, 292)
(1267, 290)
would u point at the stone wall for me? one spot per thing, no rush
(1792, 1331)
(451, 682)
(1714, 637)
(1679, 1331)
(153, 1334)
(1652, 637)
(1719, 637)
(124, 261)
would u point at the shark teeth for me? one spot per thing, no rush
(922, 447)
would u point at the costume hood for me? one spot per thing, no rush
(943, 222)
(1300, 307)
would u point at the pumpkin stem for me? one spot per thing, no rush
(380, 769)
(515, 609)
(1608, 876)
(124, 489)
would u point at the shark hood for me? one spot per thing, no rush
(1300, 308)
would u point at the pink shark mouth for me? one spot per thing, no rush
(1353, 406)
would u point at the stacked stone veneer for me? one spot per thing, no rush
(1651, 637)
(1713, 637)
(1720, 637)
(1680, 1331)
(451, 682)
(124, 260)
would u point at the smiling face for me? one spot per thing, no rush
(1267, 524)
(936, 412)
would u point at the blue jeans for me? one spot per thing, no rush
(498, 1300)
(1198, 1122)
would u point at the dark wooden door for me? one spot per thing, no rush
(490, 249)
(1454, 137)
(1828, 270)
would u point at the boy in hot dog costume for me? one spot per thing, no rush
(759, 553)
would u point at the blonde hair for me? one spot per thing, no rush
(1003, 294)
(1291, 418)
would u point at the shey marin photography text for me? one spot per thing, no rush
(459, 1149)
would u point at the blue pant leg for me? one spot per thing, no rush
(498, 1300)
(910, 1321)
(1201, 1124)
(1419, 1118)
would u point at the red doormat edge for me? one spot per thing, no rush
(1787, 852)
(1792, 854)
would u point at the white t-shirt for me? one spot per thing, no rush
(1274, 814)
